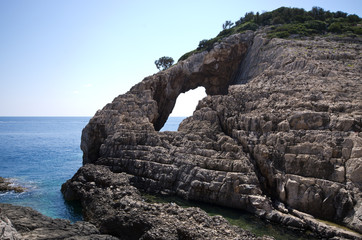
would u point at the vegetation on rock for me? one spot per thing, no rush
(227, 25)
(289, 23)
(164, 63)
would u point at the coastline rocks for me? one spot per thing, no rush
(117, 208)
(7, 231)
(6, 185)
(18, 222)
(288, 132)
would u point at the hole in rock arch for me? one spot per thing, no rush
(186, 104)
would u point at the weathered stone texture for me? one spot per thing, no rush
(18, 222)
(7, 185)
(117, 208)
(288, 131)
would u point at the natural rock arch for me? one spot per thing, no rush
(148, 104)
(213, 70)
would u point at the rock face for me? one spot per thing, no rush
(25, 223)
(7, 231)
(117, 208)
(283, 142)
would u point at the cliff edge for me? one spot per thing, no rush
(278, 135)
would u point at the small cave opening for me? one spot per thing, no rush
(185, 105)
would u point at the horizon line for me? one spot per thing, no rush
(62, 116)
(41, 116)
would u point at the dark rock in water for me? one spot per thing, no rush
(6, 185)
(117, 208)
(18, 222)
(286, 139)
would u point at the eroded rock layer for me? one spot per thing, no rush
(285, 142)
(117, 208)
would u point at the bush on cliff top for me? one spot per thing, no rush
(289, 22)
(164, 63)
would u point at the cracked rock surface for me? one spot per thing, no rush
(117, 208)
(278, 135)
(18, 222)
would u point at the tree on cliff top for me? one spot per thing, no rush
(227, 25)
(164, 63)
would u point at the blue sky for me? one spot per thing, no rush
(70, 58)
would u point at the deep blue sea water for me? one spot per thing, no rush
(41, 153)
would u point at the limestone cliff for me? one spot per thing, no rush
(278, 135)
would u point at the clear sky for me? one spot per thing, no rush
(71, 57)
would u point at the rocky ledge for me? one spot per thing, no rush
(18, 222)
(117, 208)
(279, 135)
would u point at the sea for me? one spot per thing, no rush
(41, 153)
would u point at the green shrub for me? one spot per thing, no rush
(206, 44)
(186, 55)
(286, 30)
(296, 29)
(353, 18)
(226, 32)
(249, 16)
(202, 44)
(340, 14)
(317, 25)
(335, 27)
(246, 26)
(357, 30)
(318, 13)
(281, 34)
(278, 20)
(250, 26)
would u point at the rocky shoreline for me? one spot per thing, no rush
(18, 222)
(115, 210)
(279, 134)
(7, 185)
